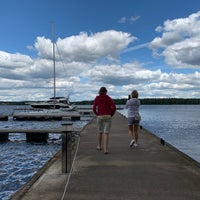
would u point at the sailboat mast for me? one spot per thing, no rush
(54, 64)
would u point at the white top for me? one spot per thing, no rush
(133, 105)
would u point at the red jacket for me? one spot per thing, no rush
(104, 105)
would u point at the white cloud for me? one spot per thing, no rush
(85, 48)
(44, 47)
(122, 20)
(134, 18)
(74, 56)
(89, 48)
(14, 66)
(130, 20)
(119, 75)
(179, 43)
(11, 61)
(86, 62)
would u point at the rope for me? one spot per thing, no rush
(71, 170)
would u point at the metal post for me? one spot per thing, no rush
(66, 146)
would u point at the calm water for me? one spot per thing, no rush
(179, 125)
(19, 161)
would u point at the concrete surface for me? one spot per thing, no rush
(150, 171)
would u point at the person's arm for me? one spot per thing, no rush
(95, 107)
(127, 104)
(113, 107)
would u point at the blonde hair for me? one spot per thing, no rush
(134, 94)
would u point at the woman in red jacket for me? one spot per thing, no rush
(104, 108)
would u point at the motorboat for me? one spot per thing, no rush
(55, 103)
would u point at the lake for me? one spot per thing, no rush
(20, 160)
(179, 125)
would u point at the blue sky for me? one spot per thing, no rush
(152, 46)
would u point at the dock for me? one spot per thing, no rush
(153, 170)
(3, 117)
(50, 114)
(46, 115)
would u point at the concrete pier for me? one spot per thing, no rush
(151, 171)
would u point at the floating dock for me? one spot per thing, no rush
(3, 117)
(46, 115)
(32, 135)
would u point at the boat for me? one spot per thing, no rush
(55, 103)
(56, 108)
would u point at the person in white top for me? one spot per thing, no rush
(134, 118)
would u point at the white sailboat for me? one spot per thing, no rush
(54, 108)
(54, 102)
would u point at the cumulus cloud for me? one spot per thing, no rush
(44, 47)
(14, 66)
(119, 75)
(86, 62)
(85, 48)
(173, 85)
(11, 61)
(179, 42)
(74, 55)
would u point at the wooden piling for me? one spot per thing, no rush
(4, 137)
(66, 147)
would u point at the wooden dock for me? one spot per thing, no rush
(32, 135)
(39, 135)
(46, 115)
(3, 117)
(41, 115)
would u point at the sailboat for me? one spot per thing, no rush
(55, 102)
(55, 108)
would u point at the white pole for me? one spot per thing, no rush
(54, 66)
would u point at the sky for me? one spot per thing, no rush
(152, 46)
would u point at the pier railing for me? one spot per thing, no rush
(66, 131)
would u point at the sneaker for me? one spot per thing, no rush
(131, 143)
(135, 144)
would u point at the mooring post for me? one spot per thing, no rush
(66, 146)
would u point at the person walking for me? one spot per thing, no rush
(134, 118)
(104, 108)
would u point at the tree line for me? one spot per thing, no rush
(144, 101)
(151, 101)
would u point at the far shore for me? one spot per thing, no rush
(144, 101)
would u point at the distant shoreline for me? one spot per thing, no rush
(144, 101)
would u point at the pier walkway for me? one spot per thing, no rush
(150, 171)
